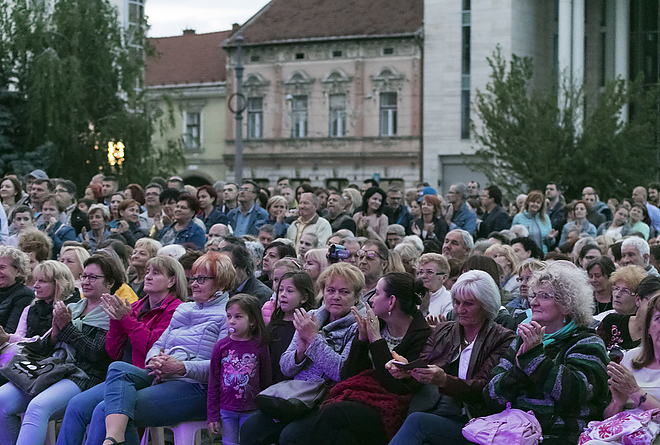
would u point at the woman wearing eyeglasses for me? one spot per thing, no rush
(173, 387)
(82, 326)
(433, 270)
(623, 327)
(133, 330)
(556, 366)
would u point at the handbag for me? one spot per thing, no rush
(627, 428)
(32, 373)
(291, 399)
(510, 427)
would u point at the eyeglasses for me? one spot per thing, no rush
(623, 290)
(429, 272)
(370, 254)
(200, 280)
(90, 278)
(542, 296)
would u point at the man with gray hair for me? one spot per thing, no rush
(458, 245)
(336, 216)
(636, 252)
(459, 215)
(395, 234)
(309, 221)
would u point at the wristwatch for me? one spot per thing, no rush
(642, 399)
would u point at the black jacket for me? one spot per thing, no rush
(402, 217)
(440, 230)
(40, 315)
(79, 220)
(493, 222)
(134, 233)
(343, 221)
(13, 299)
(365, 355)
(255, 288)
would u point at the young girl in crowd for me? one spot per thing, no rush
(279, 268)
(295, 291)
(240, 369)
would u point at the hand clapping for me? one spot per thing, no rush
(114, 307)
(305, 325)
(531, 334)
(61, 315)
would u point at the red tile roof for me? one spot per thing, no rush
(189, 58)
(286, 20)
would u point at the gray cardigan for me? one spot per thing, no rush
(326, 355)
(192, 334)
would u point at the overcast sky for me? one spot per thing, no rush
(171, 17)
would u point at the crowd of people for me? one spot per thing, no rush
(417, 313)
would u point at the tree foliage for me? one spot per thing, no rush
(74, 77)
(528, 137)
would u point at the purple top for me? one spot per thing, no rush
(239, 371)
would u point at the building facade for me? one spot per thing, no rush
(586, 42)
(330, 100)
(185, 81)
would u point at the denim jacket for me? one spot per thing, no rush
(192, 233)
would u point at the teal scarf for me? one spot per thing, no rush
(561, 334)
(96, 317)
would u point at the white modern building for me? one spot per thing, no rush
(586, 41)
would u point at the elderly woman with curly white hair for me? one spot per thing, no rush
(556, 366)
(14, 295)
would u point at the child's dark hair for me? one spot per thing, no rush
(303, 284)
(406, 289)
(252, 307)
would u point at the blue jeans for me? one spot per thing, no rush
(260, 429)
(231, 425)
(79, 414)
(430, 429)
(128, 391)
(38, 411)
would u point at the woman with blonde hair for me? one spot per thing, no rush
(507, 259)
(53, 281)
(408, 253)
(433, 271)
(74, 257)
(277, 207)
(316, 261)
(352, 199)
(534, 218)
(145, 249)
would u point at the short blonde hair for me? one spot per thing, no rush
(274, 200)
(436, 258)
(632, 275)
(81, 254)
(352, 275)
(507, 251)
(172, 268)
(356, 199)
(531, 264)
(60, 274)
(150, 245)
(408, 253)
(318, 255)
(219, 266)
(105, 211)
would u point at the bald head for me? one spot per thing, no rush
(639, 195)
(218, 231)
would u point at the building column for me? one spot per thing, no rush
(621, 45)
(577, 72)
(565, 42)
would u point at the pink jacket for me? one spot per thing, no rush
(142, 334)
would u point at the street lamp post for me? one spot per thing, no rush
(240, 106)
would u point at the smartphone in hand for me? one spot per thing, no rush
(419, 363)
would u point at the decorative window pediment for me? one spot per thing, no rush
(388, 79)
(299, 83)
(336, 82)
(255, 84)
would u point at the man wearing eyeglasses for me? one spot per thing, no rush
(636, 252)
(248, 216)
(65, 191)
(152, 203)
(372, 261)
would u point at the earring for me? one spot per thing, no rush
(389, 313)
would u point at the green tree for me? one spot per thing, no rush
(79, 76)
(529, 137)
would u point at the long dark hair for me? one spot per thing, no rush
(365, 200)
(252, 307)
(303, 284)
